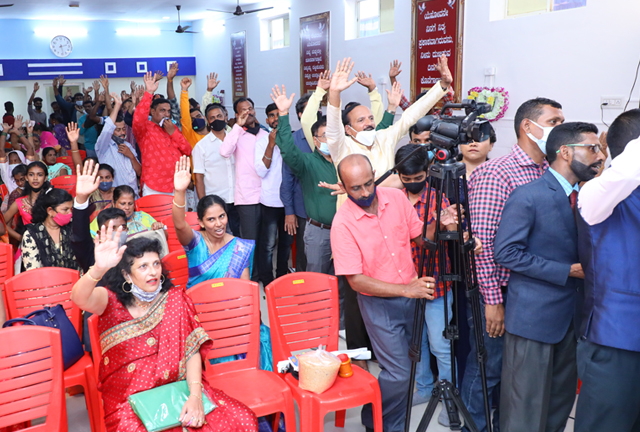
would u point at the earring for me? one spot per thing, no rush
(123, 284)
(162, 279)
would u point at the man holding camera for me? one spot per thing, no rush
(491, 184)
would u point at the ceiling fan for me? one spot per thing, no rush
(6, 5)
(239, 11)
(181, 29)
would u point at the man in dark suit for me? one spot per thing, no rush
(538, 241)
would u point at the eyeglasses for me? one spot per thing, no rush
(323, 136)
(595, 148)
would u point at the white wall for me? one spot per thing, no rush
(573, 56)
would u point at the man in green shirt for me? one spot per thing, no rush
(311, 169)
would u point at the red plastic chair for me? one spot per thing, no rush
(67, 183)
(68, 161)
(96, 353)
(177, 268)
(158, 206)
(172, 241)
(303, 313)
(6, 270)
(31, 378)
(3, 190)
(34, 289)
(229, 311)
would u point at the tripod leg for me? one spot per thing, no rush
(431, 408)
(466, 416)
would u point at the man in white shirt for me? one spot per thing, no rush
(214, 174)
(268, 165)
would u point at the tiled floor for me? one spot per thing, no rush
(79, 421)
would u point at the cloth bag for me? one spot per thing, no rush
(55, 317)
(159, 408)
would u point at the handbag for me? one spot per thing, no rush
(55, 317)
(159, 408)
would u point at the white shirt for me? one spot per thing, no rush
(272, 176)
(219, 172)
(599, 197)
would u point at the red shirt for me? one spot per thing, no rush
(378, 246)
(159, 150)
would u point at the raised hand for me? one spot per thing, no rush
(117, 100)
(173, 71)
(73, 133)
(394, 70)
(281, 100)
(105, 81)
(96, 85)
(61, 80)
(212, 81)
(30, 128)
(101, 98)
(150, 83)
(365, 81)
(324, 80)
(133, 86)
(241, 118)
(87, 180)
(182, 176)
(36, 87)
(158, 75)
(394, 96)
(55, 83)
(445, 74)
(340, 79)
(185, 84)
(17, 124)
(337, 189)
(88, 90)
(108, 251)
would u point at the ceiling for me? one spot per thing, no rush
(126, 10)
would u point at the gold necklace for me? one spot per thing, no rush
(143, 305)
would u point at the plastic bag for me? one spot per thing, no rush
(318, 370)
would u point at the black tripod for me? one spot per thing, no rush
(444, 172)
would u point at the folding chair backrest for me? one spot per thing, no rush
(67, 182)
(177, 268)
(158, 206)
(172, 241)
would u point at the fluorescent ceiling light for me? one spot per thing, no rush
(55, 31)
(213, 27)
(134, 31)
(166, 18)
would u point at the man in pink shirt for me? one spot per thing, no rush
(371, 238)
(241, 143)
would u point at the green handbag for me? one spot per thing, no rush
(159, 408)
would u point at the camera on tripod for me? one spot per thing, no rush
(448, 132)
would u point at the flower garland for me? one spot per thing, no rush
(497, 97)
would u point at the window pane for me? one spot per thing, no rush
(277, 33)
(368, 17)
(368, 9)
(568, 4)
(518, 7)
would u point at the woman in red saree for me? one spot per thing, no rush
(150, 336)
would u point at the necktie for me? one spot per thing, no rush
(573, 198)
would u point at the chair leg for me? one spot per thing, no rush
(92, 399)
(340, 418)
(377, 417)
(276, 422)
(289, 411)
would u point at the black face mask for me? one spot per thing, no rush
(415, 187)
(217, 125)
(253, 130)
(117, 139)
(36, 190)
(197, 124)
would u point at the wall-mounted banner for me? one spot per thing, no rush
(437, 30)
(239, 64)
(314, 50)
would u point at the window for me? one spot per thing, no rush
(525, 7)
(279, 32)
(365, 18)
(368, 17)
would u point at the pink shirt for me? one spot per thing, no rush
(378, 246)
(241, 144)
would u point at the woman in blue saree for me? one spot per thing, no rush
(211, 252)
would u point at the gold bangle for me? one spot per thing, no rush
(178, 205)
(91, 277)
(195, 396)
(197, 382)
(75, 151)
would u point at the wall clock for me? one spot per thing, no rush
(61, 46)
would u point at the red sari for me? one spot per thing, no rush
(150, 351)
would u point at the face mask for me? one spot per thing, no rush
(36, 190)
(143, 295)
(62, 219)
(542, 142)
(79, 103)
(105, 186)
(117, 139)
(163, 120)
(123, 237)
(217, 125)
(415, 187)
(198, 124)
(365, 138)
(364, 203)
(322, 147)
(12, 166)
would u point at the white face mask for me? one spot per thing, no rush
(542, 142)
(12, 166)
(323, 147)
(366, 138)
(143, 295)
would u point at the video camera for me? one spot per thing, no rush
(448, 132)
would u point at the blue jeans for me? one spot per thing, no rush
(471, 390)
(434, 341)
(271, 233)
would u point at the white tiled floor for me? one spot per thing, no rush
(79, 421)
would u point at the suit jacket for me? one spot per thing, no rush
(538, 241)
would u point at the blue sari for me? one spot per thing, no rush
(228, 262)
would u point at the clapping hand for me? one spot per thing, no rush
(445, 73)
(182, 176)
(87, 180)
(324, 80)
(340, 79)
(281, 100)
(108, 251)
(366, 81)
(212, 81)
(73, 133)
(150, 83)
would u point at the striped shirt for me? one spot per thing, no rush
(107, 151)
(490, 186)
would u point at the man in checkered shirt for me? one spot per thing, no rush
(491, 184)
